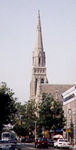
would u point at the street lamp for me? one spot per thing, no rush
(71, 124)
(35, 131)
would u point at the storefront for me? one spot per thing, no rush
(69, 106)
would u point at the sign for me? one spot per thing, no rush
(68, 130)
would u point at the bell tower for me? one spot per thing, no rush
(38, 65)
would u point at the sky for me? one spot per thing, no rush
(18, 24)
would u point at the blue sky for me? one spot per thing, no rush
(18, 22)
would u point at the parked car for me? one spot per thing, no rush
(9, 136)
(74, 147)
(50, 142)
(6, 145)
(28, 140)
(62, 143)
(23, 140)
(41, 142)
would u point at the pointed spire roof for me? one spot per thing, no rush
(39, 43)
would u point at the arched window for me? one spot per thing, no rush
(39, 61)
(42, 81)
(35, 86)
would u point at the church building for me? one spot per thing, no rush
(39, 83)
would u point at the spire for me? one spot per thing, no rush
(39, 43)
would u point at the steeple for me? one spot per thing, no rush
(39, 76)
(39, 43)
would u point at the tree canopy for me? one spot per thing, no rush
(51, 114)
(26, 117)
(7, 105)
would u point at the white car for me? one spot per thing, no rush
(74, 147)
(7, 145)
(62, 143)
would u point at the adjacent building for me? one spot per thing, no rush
(69, 106)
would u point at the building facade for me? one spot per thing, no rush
(38, 65)
(69, 106)
(39, 83)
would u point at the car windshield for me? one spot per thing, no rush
(50, 140)
(43, 139)
(63, 140)
(6, 135)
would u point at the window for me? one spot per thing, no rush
(42, 80)
(35, 86)
(39, 61)
(69, 97)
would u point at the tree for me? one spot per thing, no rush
(20, 125)
(51, 114)
(20, 130)
(25, 118)
(7, 105)
(30, 116)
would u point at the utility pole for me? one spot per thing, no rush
(71, 125)
(35, 131)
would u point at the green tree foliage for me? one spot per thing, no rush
(25, 117)
(7, 105)
(20, 125)
(31, 114)
(20, 130)
(51, 114)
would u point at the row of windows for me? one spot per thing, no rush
(69, 97)
(41, 81)
(39, 70)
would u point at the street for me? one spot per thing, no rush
(27, 146)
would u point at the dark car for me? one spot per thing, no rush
(28, 140)
(50, 142)
(41, 142)
(23, 140)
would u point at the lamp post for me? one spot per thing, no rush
(71, 124)
(35, 130)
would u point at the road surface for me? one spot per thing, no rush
(29, 146)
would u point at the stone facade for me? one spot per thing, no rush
(38, 65)
(39, 83)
